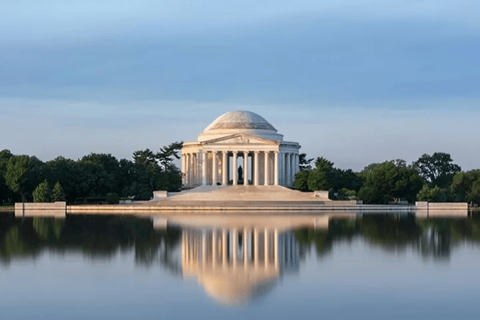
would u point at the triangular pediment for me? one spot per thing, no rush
(240, 139)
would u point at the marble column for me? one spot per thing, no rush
(225, 168)
(297, 162)
(192, 169)
(195, 168)
(288, 173)
(204, 167)
(282, 168)
(275, 173)
(214, 168)
(245, 168)
(267, 168)
(255, 168)
(184, 168)
(234, 171)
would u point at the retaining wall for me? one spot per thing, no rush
(41, 209)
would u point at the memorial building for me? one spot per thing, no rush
(240, 148)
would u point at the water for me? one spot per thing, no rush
(376, 267)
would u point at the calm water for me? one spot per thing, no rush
(376, 267)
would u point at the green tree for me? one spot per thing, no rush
(324, 164)
(466, 186)
(68, 173)
(5, 192)
(433, 194)
(42, 192)
(304, 162)
(437, 169)
(57, 192)
(318, 177)
(326, 177)
(99, 175)
(167, 154)
(389, 181)
(301, 180)
(317, 180)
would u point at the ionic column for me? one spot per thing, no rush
(267, 168)
(234, 171)
(245, 168)
(204, 167)
(297, 163)
(184, 167)
(191, 169)
(225, 168)
(288, 173)
(195, 168)
(255, 168)
(266, 253)
(282, 168)
(235, 246)
(292, 164)
(275, 168)
(214, 168)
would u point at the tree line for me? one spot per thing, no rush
(96, 177)
(430, 178)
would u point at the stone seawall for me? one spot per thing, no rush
(60, 209)
(41, 209)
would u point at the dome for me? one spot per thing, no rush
(240, 120)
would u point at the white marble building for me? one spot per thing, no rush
(240, 139)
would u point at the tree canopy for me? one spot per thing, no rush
(437, 169)
(94, 177)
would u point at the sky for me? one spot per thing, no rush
(354, 81)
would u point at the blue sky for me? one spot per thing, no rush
(354, 81)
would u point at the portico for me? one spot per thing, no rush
(235, 140)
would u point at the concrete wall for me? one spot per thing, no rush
(41, 209)
(160, 195)
(441, 209)
(442, 205)
(322, 194)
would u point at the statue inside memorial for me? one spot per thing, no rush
(240, 175)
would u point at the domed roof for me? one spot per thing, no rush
(240, 120)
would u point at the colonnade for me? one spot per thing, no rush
(225, 248)
(211, 167)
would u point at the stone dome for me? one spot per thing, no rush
(240, 120)
(245, 122)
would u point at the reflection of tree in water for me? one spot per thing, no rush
(432, 238)
(97, 237)
(323, 239)
(440, 236)
(389, 232)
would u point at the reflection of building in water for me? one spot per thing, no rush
(238, 265)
